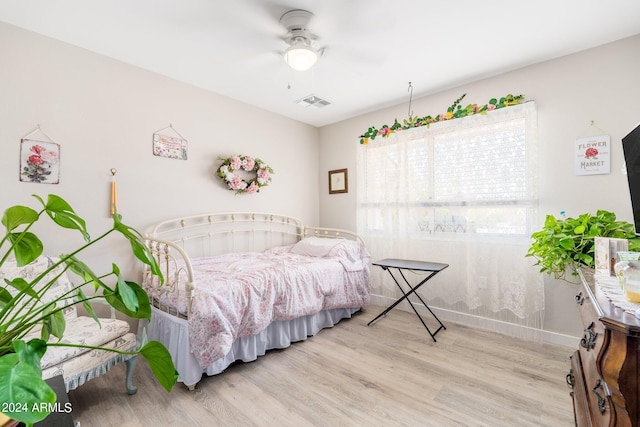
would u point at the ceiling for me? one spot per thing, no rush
(373, 48)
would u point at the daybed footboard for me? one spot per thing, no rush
(332, 233)
(173, 293)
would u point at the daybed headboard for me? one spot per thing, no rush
(222, 232)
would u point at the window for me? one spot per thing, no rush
(476, 178)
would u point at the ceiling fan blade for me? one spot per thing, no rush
(234, 60)
(350, 54)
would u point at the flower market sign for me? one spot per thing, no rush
(593, 155)
(455, 111)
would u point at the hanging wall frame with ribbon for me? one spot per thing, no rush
(39, 158)
(171, 146)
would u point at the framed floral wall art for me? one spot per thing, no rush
(39, 161)
(171, 147)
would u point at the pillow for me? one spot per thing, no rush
(29, 272)
(352, 255)
(10, 269)
(315, 246)
(62, 287)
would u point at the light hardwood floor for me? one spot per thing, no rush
(387, 374)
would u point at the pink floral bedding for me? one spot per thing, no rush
(241, 294)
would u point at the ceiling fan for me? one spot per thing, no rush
(300, 55)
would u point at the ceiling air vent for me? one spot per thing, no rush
(313, 101)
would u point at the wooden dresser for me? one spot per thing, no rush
(605, 369)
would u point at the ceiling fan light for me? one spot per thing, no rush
(300, 57)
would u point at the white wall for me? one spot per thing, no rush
(103, 113)
(599, 84)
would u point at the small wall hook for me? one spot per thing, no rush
(410, 90)
(113, 171)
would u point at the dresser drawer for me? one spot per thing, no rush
(594, 332)
(591, 401)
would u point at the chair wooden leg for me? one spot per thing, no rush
(131, 366)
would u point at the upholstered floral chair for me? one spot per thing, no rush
(78, 365)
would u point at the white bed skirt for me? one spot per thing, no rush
(174, 334)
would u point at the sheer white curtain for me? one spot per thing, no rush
(461, 192)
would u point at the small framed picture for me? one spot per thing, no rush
(169, 147)
(338, 181)
(606, 253)
(39, 162)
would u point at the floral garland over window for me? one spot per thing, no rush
(455, 111)
(231, 169)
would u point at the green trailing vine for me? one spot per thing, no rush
(455, 111)
(565, 244)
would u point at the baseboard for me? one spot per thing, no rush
(498, 326)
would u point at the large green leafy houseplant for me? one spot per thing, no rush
(21, 308)
(568, 243)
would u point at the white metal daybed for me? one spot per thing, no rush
(239, 284)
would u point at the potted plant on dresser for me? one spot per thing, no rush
(23, 310)
(565, 244)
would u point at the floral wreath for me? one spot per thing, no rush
(228, 173)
